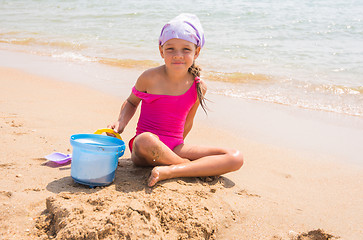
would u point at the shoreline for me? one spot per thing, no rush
(279, 189)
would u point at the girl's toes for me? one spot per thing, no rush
(154, 177)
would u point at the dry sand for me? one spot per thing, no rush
(278, 194)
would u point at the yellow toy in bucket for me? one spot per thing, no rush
(95, 157)
(108, 130)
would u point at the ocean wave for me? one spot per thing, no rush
(259, 86)
(29, 39)
(321, 97)
(73, 57)
(127, 63)
(237, 77)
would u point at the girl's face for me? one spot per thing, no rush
(179, 54)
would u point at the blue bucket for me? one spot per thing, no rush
(95, 158)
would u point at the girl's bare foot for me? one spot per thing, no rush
(158, 174)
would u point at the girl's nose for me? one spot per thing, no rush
(178, 55)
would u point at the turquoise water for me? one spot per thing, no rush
(305, 54)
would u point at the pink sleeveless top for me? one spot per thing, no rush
(165, 115)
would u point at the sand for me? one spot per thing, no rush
(278, 194)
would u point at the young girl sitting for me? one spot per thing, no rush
(170, 96)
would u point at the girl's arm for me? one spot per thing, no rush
(129, 107)
(128, 110)
(190, 118)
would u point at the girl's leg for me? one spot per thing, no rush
(148, 150)
(206, 161)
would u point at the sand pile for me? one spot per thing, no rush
(188, 208)
(318, 234)
(127, 209)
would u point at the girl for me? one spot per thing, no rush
(170, 96)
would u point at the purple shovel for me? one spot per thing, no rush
(59, 158)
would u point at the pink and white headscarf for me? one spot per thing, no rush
(186, 26)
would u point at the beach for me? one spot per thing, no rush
(283, 191)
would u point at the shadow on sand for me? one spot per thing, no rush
(129, 178)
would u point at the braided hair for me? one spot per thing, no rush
(195, 71)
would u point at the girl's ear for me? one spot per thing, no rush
(197, 51)
(161, 51)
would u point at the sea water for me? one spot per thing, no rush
(301, 53)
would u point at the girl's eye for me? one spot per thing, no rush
(187, 49)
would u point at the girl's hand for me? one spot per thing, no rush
(116, 127)
(128, 110)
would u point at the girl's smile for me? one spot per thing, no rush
(178, 63)
(179, 52)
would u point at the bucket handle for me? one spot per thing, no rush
(108, 130)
